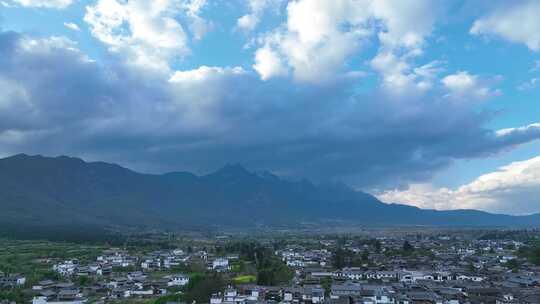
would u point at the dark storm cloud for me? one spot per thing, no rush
(58, 101)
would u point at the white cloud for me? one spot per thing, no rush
(203, 73)
(531, 84)
(144, 31)
(317, 38)
(72, 26)
(57, 4)
(516, 21)
(48, 45)
(398, 75)
(198, 25)
(268, 64)
(463, 86)
(406, 24)
(512, 189)
(532, 128)
(249, 22)
(320, 37)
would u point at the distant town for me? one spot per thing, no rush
(409, 266)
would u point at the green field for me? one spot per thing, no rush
(245, 279)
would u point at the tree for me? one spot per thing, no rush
(535, 256)
(265, 277)
(202, 288)
(531, 253)
(510, 247)
(407, 247)
(378, 246)
(471, 267)
(274, 274)
(326, 283)
(365, 256)
(15, 295)
(513, 264)
(342, 258)
(84, 281)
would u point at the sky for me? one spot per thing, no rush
(429, 103)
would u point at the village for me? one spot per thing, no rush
(436, 268)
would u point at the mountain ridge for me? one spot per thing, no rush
(62, 191)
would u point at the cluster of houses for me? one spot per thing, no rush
(451, 271)
(102, 266)
(118, 259)
(298, 257)
(448, 270)
(132, 285)
(525, 291)
(111, 285)
(406, 276)
(110, 280)
(441, 270)
(159, 260)
(48, 291)
(344, 293)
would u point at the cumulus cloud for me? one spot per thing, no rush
(405, 24)
(404, 29)
(268, 63)
(198, 25)
(249, 22)
(317, 38)
(399, 76)
(515, 21)
(146, 33)
(512, 189)
(72, 26)
(464, 86)
(56, 4)
(203, 73)
(320, 37)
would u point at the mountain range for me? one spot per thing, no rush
(39, 192)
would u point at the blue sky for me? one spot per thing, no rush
(429, 103)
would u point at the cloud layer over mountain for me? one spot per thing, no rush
(303, 106)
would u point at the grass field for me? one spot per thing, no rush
(245, 279)
(35, 258)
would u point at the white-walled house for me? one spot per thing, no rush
(12, 281)
(178, 280)
(66, 268)
(43, 300)
(220, 263)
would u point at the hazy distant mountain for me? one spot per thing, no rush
(38, 191)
